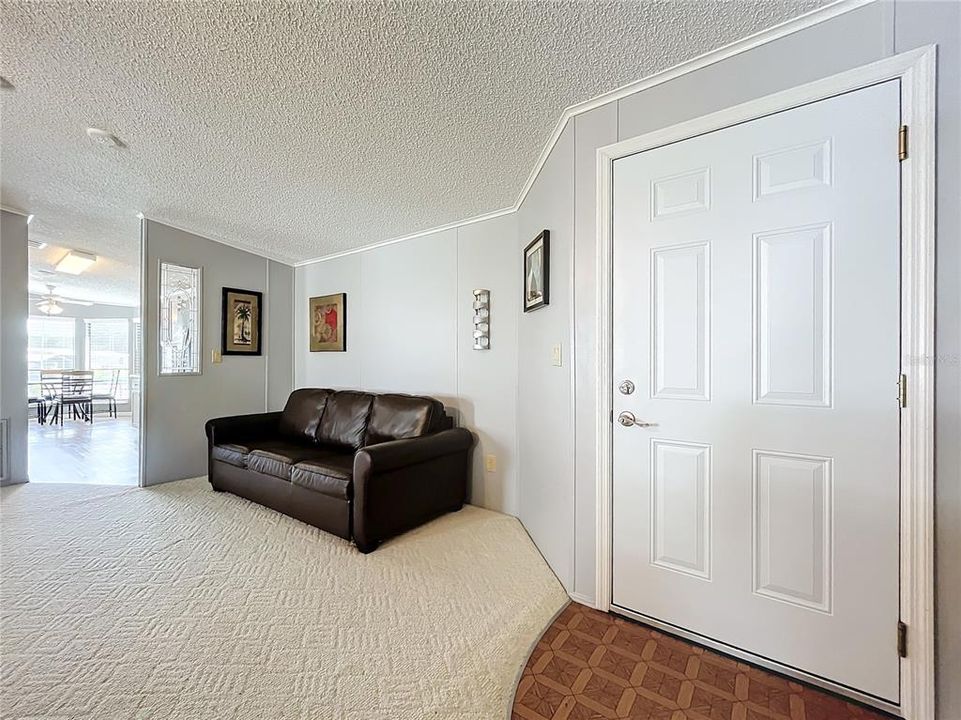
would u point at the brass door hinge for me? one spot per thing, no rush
(903, 142)
(902, 639)
(902, 390)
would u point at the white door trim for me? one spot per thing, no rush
(916, 70)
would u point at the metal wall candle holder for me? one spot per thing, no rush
(482, 314)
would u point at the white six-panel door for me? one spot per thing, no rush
(756, 312)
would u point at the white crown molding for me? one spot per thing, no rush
(422, 233)
(775, 32)
(220, 240)
(14, 211)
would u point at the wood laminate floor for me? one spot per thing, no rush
(103, 453)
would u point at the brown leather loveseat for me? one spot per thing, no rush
(362, 466)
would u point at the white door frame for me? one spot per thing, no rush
(916, 71)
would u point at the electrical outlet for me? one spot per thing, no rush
(556, 355)
(490, 463)
(216, 357)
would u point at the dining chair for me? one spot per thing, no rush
(50, 382)
(110, 397)
(76, 393)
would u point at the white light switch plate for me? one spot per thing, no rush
(556, 355)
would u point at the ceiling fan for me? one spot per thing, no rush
(50, 304)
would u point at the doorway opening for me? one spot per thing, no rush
(84, 360)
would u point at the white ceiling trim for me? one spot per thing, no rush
(801, 22)
(217, 239)
(14, 211)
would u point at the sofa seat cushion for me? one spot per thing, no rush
(331, 475)
(278, 457)
(231, 453)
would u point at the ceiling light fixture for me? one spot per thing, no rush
(105, 138)
(49, 307)
(75, 262)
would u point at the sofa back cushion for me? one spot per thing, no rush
(302, 414)
(398, 417)
(345, 419)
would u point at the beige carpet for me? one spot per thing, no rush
(177, 602)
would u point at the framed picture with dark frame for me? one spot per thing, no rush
(328, 323)
(242, 322)
(537, 272)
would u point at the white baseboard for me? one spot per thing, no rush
(582, 599)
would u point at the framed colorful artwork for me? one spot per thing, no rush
(328, 323)
(241, 322)
(537, 272)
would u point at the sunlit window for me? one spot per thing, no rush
(179, 319)
(108, 355)
(52, 345)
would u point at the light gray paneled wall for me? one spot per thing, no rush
(487, 379)
(279, 333)
(408, 316)
(174, 445)
(13, 341)
(592, 130)
(409, 310)
(329, 369)
(923, 23)
(545, 398)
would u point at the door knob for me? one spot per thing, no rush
(627, 419)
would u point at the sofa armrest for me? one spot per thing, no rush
(401, 484)
(398, 453)
(238, 428)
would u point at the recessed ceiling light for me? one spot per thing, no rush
(75, 262)
(105, 138)
(5, 84)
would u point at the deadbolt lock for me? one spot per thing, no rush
(626, 387)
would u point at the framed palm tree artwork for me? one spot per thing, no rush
(242, 322)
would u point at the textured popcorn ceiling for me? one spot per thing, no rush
(303, 129)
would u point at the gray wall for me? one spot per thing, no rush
(545, 402)
(13, 340)
(279, 333)
(173, 442)
(409, 329)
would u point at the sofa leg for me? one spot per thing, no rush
(366, 547)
